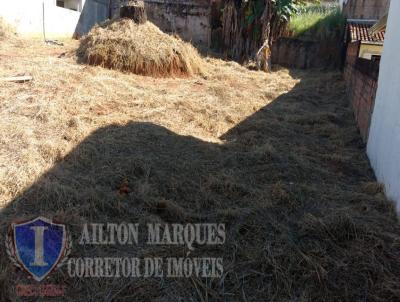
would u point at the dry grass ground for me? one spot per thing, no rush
(277, 157)
(6, 31)
(71, 101)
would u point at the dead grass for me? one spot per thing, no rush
(49, 116)
(6, 31)
(373, 188)
(141, 49)
(276, 157)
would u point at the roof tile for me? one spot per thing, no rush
(359, 32)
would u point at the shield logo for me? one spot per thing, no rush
(39, 245)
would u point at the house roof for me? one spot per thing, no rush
(359, 31)
(379, 26)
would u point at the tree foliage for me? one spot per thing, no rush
(250, 24)
(286, 8)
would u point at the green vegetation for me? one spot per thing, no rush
(316, 21)
(286, 8)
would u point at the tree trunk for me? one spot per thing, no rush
(134, 10)
(249, 28)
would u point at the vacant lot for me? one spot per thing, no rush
(276, 157)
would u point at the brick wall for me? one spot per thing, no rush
(366, 9)
(361, 78)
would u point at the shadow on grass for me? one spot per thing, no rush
(287, 182)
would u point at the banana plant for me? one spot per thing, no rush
(286, 8)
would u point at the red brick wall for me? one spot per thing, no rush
(361, 78)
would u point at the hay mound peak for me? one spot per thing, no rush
(142, 49)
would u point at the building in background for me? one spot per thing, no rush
(190, 19)
(365, 9)
(54, 18)
(372, 74)
(384, 138)
(369, 45)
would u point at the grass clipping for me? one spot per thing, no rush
(139, 48)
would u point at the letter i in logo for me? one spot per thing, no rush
(39, 251)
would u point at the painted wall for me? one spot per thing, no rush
(27, 16)
(384, 138)
(368, 50)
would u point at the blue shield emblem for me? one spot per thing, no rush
(39, 246)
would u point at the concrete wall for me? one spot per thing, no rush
(190, 19)
(296, 53)
(365, 9)
(384, 138)
(76, 5)
(27, 16)
(94, 11)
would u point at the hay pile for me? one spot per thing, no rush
(139, 48)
